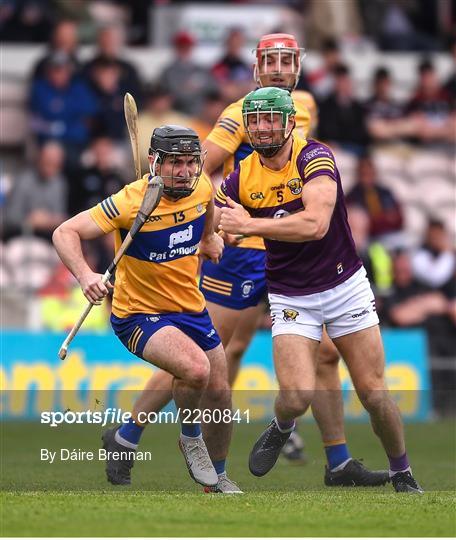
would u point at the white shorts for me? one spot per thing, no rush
(345, 309)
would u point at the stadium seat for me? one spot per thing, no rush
(33, 261)
(434, 192)
(427, 163)
(13, 112)
(387, 163)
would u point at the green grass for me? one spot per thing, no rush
(73, 499)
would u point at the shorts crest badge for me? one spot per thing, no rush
(290, 315)
(247, 288)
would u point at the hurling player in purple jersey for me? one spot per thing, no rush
(313, 273)
(235, 287)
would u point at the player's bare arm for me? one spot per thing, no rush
(67, 241)
(215, 156)
(318, 197)
(211, 244)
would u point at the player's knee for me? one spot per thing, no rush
(374, 398)
(297, 401)
(218, 397)
(235, 351)
(197, 373)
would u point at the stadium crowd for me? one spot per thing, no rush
(396, 158)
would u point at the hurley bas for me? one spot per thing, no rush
(76, 454)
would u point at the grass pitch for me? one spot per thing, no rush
(74, 499)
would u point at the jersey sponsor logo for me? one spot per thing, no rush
(179, 237)
(320, 151)
(247, 288)
(360, 314)
(182, 251)
(295, 186)
(257, 195)
(153, 219)
(280, 186)
(280, 214)
(290, 315)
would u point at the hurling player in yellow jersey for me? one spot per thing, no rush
(314, 277)
(234, 288)
(158, 312)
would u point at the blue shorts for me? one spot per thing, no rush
(134, 331)
(238, 281)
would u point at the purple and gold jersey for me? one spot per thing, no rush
(292, 268)
(229, 134)
(158, 273)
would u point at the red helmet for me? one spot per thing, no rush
(278, 61)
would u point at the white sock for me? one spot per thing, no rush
(187, 438)
(119, 439)
(341, 465)
(289, 430)
(392, 473)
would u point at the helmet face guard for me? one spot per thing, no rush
(178, 152)
(271, 102)
(277, 136)
(278, 57)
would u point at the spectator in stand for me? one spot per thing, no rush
(341, 117)
(62, 107)
(158, 111)
(233, 75)
(25, 21)
(212, 109)
(37, 203)
(321, 79)
(376, 259)
(385, 116)
(411, 303)
(187, 81)
(434, 264)
(431, 108)
(96, 181)
(110, 42)
(385, 213)
(110, 89)
(64, 39)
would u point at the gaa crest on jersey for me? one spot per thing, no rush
(290, 315)
(295, 186)
(257, 195)
(247, 288)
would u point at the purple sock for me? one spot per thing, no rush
(400, 463)
(285, 426)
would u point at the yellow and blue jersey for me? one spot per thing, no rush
(158, 273)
